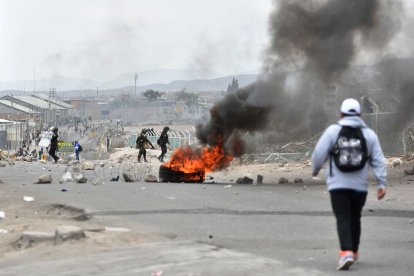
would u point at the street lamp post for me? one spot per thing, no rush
(135, 88)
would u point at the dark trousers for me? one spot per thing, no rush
(142, 152)
(163, 152)
(52, 152)
(347, 206)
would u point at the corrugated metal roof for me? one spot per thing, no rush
(18, 107)
(56, 101)
(3, 121)
(38, 102)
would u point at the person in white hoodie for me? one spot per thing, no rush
(350, 147)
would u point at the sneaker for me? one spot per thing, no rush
(346, 260)
(356, 256)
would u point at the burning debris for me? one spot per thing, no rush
(189, 164)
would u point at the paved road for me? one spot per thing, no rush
(282, 222)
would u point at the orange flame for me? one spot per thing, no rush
(190, 160)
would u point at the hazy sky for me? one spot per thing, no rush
(101, 39)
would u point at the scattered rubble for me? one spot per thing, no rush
(97, 182)
(28, 158)
(44, 179)
(81, 179)
(244, 180)
(150, 178)
(115, 178)
(64, 233)
(283, 180)
(298, 180)
(2, 164)
(409, 172)
(128, 177)
(396, 162)
(66, 177)
(88, 165)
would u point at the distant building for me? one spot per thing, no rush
(16, 112)
(51, 113)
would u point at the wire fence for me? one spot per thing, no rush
(177, 139)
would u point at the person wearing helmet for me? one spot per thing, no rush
(163, 141)
(350, 147)
(142, 140)
(54, 143)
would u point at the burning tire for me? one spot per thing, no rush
(167, 174)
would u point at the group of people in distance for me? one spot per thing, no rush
(142, 142)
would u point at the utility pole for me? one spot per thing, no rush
(52, 94)
(97, 93)
(135, 78)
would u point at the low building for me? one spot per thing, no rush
(70, 108)
(16, 112)
(52, 114)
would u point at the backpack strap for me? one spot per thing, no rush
(331, 153)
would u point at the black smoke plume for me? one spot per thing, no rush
(324, 37)
(319, 38)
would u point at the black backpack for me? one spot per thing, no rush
(350, 152)
(161, 140)
(80, 148)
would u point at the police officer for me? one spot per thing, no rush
(163, 141)
(140, 144)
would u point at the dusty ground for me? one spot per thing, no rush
(37, 216)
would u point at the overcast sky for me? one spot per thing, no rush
(100, 39)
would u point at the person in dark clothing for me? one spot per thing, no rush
(163, 141)
(141, 142)
(54, 144)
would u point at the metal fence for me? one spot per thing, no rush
(177, 139)
(13, 135)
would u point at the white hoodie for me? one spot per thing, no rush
(357, 180)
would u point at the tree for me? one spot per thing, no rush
(152, 95)
(188, 98)
(234, 86)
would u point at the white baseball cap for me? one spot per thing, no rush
(350, 107)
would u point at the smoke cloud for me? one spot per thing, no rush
(321, 40)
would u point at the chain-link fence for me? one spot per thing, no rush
(176, 138)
